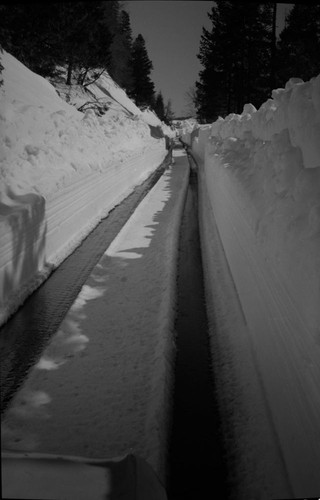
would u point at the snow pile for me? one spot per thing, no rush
(295, 109)
(103, 91)
(105, 86)
(198, 138)
(262, 177)
(185, 127)
(151, 118)
(61, 171)
(104, 94)
(48, 143)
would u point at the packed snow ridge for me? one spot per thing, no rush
(272, 158)
(62, 170)
(261, 172)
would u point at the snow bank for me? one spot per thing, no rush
(59, 476)
(186, 127)
(262, 172)
(294, 110)
(61, 171)
(114, 348)
(256, 468)
(198, 138)
(48, 143)
(107, 95)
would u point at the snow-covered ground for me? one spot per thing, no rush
(52, 476)
(261, 178)
(107, 373)
(62, 170)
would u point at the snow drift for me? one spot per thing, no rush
(61, 171)
(262, 175)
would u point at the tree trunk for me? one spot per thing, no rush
(273, 47)
(228, 94)
(84, 76)
(70, 68)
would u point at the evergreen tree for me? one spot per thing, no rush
(235, 55)
(83, 37)
(32, 42)
(126, 26)
(168, 113)
(91, 45)
(111, 14)
(299, 44)
(43, 36)
(159, 107)
(121, 69)
(143, 87)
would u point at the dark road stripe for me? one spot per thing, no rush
(196, 468)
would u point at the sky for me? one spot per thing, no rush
(172, 31)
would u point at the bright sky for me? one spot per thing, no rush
(172, 31)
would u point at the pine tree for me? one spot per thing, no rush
(143, 87)
(159, 107)
(94, 52)
(235, 55)
(299, 44)
(43, 36)
(168, 112)
(121, 69)
(111, 14)
(125, 27)
(31, 42)
(84, 38)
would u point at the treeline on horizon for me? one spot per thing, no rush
(86, 39)
(241, 57)
(243, 60)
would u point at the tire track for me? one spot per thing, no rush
(25, 335)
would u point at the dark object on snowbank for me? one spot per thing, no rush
(157, 133)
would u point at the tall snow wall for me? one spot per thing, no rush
(261, 172)
(61, 172)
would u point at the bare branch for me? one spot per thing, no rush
(96, 78)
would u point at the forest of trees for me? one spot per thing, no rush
(80, 37)
(242, 60)
(298, 47)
